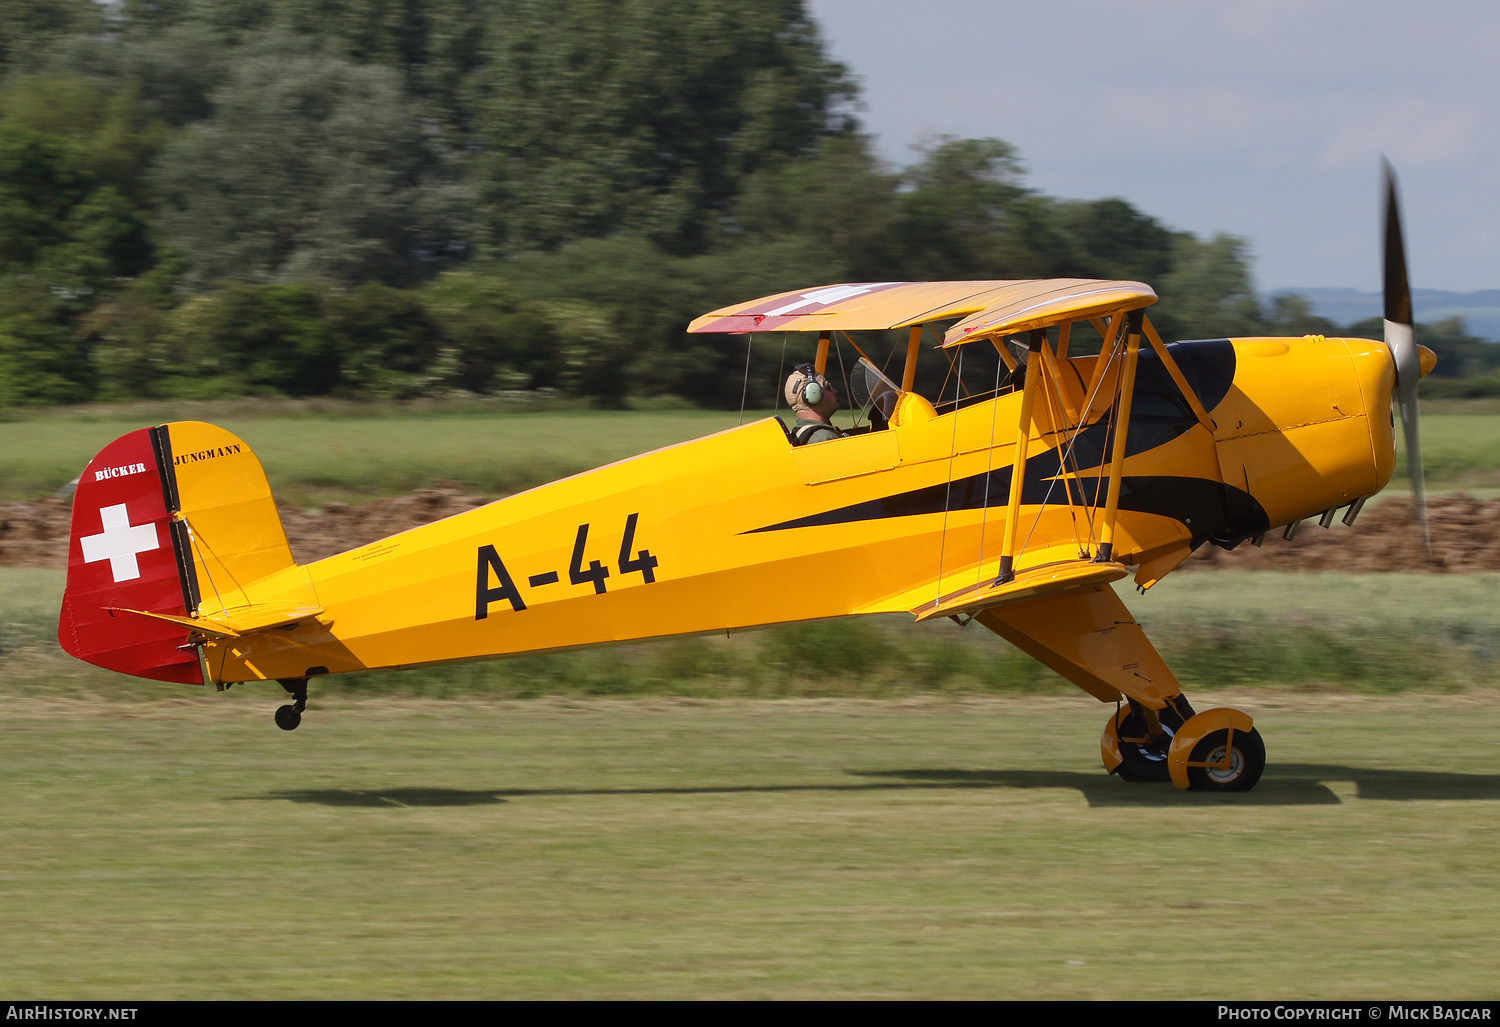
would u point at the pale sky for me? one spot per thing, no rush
(1264, 118)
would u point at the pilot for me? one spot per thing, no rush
(813, 399)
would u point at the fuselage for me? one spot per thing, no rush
(742, 529)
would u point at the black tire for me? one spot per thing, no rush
(287, 718)
(1248, 761)
(1142, 763)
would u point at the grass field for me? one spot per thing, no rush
(733, 849)
(858, 808)
(318, 452)
(313, 454)
(936, 824)
(1375, 634)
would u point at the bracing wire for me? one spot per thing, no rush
(193, 537)
(745, 388)
(1054, 413)
(989, 464)
(1088, 405)
(776, 405)
(848, 395)
(948, 495)
(1115, 427)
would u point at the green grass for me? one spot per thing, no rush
(1374, 634)
(733, 849)
(318, 451)
(1459, 450)
(314, 454)
(904, 819)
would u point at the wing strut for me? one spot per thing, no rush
(1018, 467)
(913, 348)
(1111, 333)
(1170, 364)
(1133, 321)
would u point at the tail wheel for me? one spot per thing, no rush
(1231, 766)
(1142, 760)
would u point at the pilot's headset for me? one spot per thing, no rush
(809, 392)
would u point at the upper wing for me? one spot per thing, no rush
(863, 306)
(1049, 303)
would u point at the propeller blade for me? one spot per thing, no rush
(1400, 337)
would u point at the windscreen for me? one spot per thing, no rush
(872, 393)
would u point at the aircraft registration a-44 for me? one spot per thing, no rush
(1014, 502)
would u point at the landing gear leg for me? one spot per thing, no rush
(288, 717)
(1089, 637)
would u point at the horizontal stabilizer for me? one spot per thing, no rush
(243, 620)
(191, 623)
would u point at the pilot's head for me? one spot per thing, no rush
(807, 390)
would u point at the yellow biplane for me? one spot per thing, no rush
(1013, 499)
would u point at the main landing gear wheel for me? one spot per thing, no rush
(1246, 760)
(288, 717)
(1144, 759)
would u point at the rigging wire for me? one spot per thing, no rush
(1054, 414)
(848, 395)
(1091, 510)
(745, 388)
(989, 462)
(1115, 427)
(776, 405)
(193, 537)
(948, 495)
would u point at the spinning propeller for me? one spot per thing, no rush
(1400, 338)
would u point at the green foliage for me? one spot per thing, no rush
(40, 361)
(837, 205)
(601, 116)
(964, 214)
(603, 171)
(113, 138)
(1111, 239)
(270, 338)
(1208, 293)
(63, 238)
(28, 28)
(502, 343)
(174, 69)
(311, 169)
(435, 44)
(386, 343)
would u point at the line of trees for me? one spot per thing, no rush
(416, 197)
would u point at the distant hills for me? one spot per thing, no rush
(1480, 310)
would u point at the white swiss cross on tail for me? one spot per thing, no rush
(119, 543)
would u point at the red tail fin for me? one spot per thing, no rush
(163, 519)
(122, 553)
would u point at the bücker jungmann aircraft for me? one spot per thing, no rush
(1014, 503)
